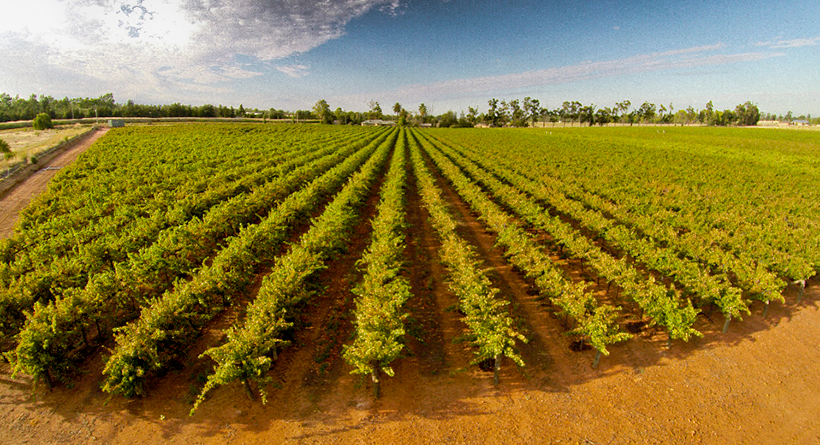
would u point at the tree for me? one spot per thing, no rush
(747, 114)
(472, 115)
(518, 116)
(493, 118)
(532, 109)
(42, 121)
(422, 112)
(587, 114)
(397, 109)
(448, 119)
(623, 108)
(375, 110)
(322, 111)
(603, 116)
(646, 112)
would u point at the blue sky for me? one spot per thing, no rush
(288, 54)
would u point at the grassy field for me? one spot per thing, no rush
(26, 143)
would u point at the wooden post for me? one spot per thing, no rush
(766, 311)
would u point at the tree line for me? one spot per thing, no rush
(527, 112)
(17, 108)
(500, 113)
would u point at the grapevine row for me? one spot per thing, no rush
(710, 288)
(490, 326)
(632, 210)
(47, 341)
(595, 323)
(663, 306)
(127, 285)
(383, 290)
(246, 355)
(167, 326)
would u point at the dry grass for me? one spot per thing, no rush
(27, 142)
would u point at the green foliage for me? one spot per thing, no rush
(111, 263)
(245, 355)
(42, 121)
(5, 148)
(490, 326)
(383, 290)
(600, 328)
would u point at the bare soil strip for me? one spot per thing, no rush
(26, 184)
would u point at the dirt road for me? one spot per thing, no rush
(21, 195)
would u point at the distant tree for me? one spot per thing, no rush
(397, 109)
(603, 116)
(422, 112)
(623, 108)
(493, 116)
(322, 112)
(587, 114)
(647, 112)
(42, 122)
(517, 116)
(532, 109)
(747, 114)
(207, 110)
(375, 110)
(448, 119)
(472, 115)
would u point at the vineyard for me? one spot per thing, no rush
(246, 251)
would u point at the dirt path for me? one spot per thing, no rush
(20, 195)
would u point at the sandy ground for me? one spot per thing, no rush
(756, 384)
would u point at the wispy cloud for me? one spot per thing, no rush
(791, 43)
(293, 70)
(794, 43)
(679, 59)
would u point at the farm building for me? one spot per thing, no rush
(377, 123)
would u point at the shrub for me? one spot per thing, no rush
(4, 147)
(42, 121)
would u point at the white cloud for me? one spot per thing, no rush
(186, 42)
